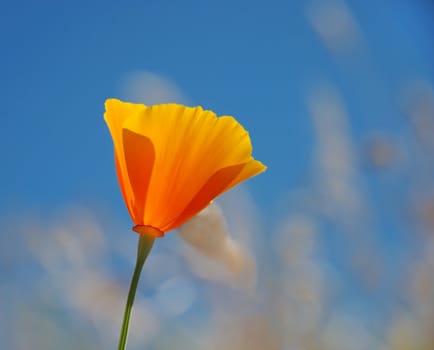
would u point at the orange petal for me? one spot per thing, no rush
(221, 181)
(139, 160)
(215, 185)
(123, 183)
(252, 168)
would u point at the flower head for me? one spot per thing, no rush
(172, 160)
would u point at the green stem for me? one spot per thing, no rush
(144, 247)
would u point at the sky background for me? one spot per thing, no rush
(337, 97)
(63, 59)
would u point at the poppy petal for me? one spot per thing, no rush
(217, 184)
(212, 188)
(139, 158)
(116, 112)
(191, 145)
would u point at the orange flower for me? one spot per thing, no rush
(172, 160)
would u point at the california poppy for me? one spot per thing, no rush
(172, 160)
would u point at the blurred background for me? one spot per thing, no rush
(335, 242)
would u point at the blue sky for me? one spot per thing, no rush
(62, 59)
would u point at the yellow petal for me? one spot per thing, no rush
(116, 112)
(115, 115)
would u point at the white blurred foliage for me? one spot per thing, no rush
(176, 295)
(151, 88)
(302, 289)
(345, 332)
(418, 104)
(239, 331)
(335, 24)
(207, 233)
(335, 156)
(74, 252)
